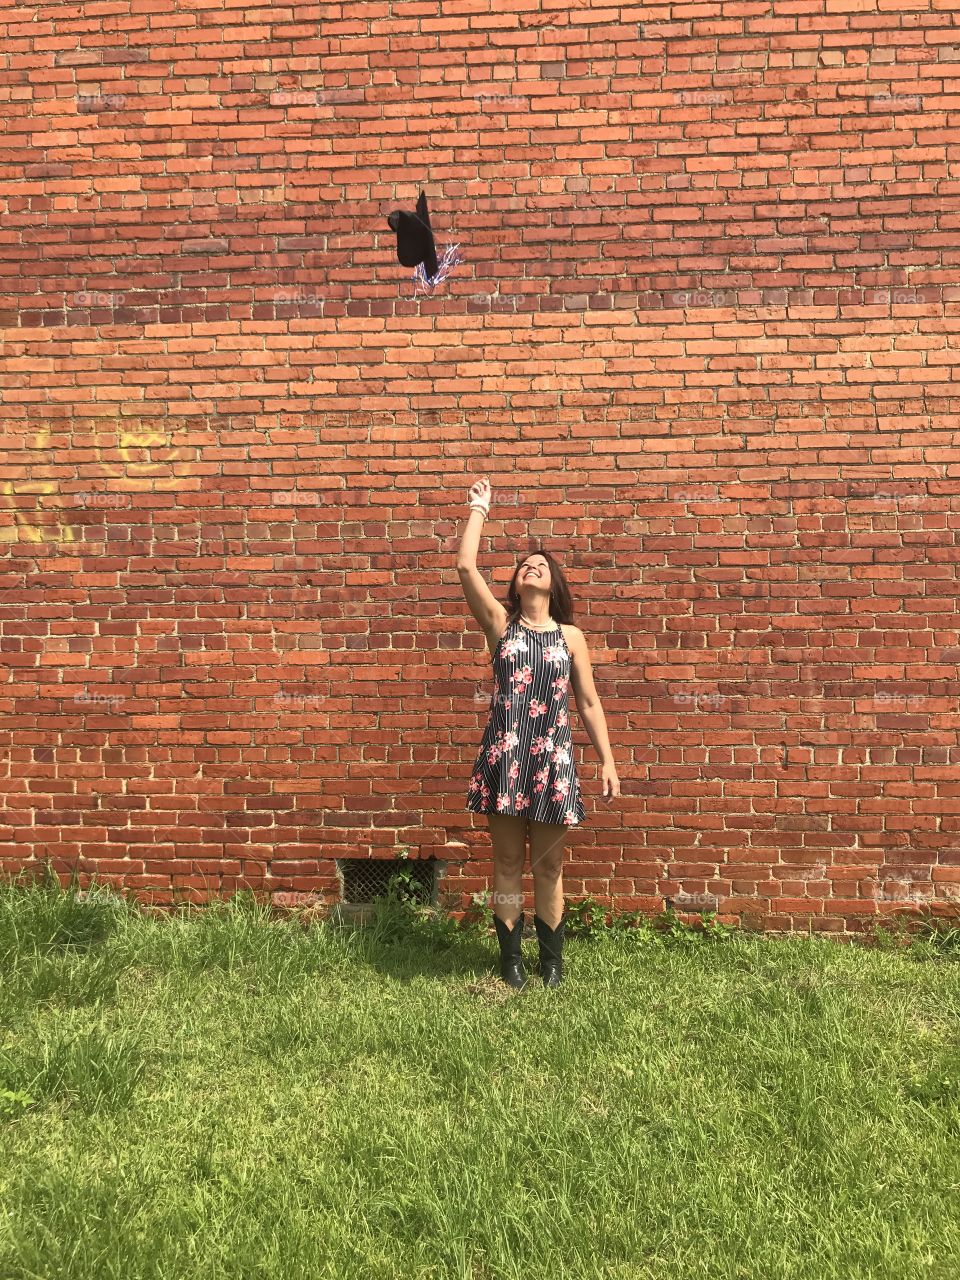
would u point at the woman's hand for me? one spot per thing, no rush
(609, 779)
(479, 497)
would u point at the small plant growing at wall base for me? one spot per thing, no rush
(926, 935)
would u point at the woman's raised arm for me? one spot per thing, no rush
(484, 605)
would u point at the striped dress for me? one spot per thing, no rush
(525, 765)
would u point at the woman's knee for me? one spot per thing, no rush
(509, 839)
(548, 872)
(509, 862)
(547, 847)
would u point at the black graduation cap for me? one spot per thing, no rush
(415, 238)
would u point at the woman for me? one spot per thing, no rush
(524, 777)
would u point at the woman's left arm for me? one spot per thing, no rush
(590, 710)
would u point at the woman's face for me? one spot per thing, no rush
(534, 575)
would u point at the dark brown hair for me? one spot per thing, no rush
(561, 602)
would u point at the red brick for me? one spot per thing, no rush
(706, 352)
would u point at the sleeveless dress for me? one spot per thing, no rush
(525, 764)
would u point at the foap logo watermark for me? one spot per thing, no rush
(686, 698)
(904, 884)
(495, 301)
(95, 298)
(889, 498)
(900, 297)
(295, 498)
(897, 297)
(295, 898)
(702, 493)
(96, 102)
(297, 298)
(694, 901)
(315, 97)
(87, 699)
(699, 97)
(495, 898)
(99, 894)
(289, 701)
(499, 101)
(777, 297)
(482, 696)
(701, 298)
(104, 500)
(896, 101)
(900, 701)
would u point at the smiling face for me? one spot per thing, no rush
(533, 576)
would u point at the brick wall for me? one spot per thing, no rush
(703, 341)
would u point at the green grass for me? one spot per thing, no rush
(226, 1093)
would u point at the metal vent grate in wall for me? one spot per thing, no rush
(367, 878)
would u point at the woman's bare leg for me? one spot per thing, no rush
(508, 835)
(547, 840)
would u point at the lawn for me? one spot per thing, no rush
(226, 1093)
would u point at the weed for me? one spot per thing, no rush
(13, 1103)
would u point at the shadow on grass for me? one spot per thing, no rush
(47, 928)
(39, 915)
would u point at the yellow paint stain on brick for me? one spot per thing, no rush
(38, 522)
(151, 476)
(32, 524)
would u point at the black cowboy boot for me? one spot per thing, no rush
(511, 962)
(551, 950)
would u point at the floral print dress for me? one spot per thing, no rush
(525, 764)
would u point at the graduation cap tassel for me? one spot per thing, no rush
(451, 258)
